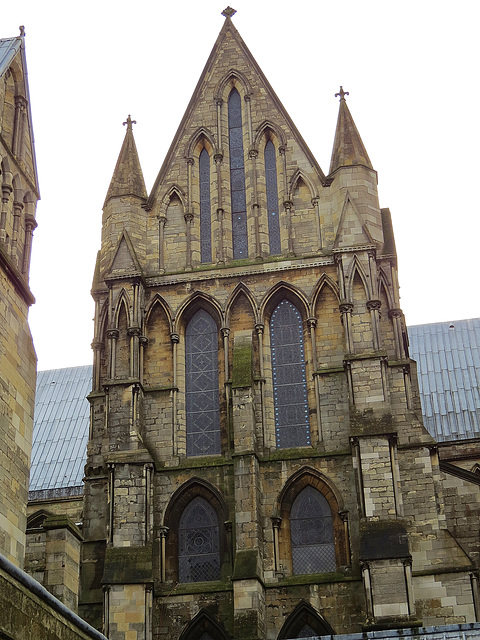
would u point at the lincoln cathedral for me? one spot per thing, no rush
(257, 464)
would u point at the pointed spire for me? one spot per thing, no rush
(127, 179)
(348, 148)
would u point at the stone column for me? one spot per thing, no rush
(161, 243)
(288, 204)
(112, 335)
(7, 189)
(253, 155)
(218, 159)
(30, 225)
(175, 339)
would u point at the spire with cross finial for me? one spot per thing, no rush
(348, 148)
(228, 12)
(127, 179)
(342, 94)
(129, 123)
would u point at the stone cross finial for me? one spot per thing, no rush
(129, 123)
(228, 12)
(22, 31)
(342, 93)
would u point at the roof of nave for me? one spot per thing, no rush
(447, 355)
(448, 361)
(60, 431)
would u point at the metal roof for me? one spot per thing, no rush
(9, 47)
(60, 429)
(448, 361)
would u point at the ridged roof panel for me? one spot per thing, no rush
(448, 360)
(60, 430)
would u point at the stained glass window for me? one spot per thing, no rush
(272, 198)
(205, 210)
(292, 427)
(237, 176)
(311, 531)
(202, 398)
(198, 543)
(306, 632)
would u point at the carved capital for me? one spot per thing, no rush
(188, 217)
(190, 161)
(133, 332)
(175, 338)
(282, 150)
(259, 328)
(20, 102)
(253, 153)
(97, 345)
(228, 526)
(143, 341)
(288, 204)
(276, 522)
(346, 307)
(343, 515)
(163, 531)
(247, 97)
(218, 158)
(112, 334)
(373, 305)
(162, 219)
(17, 207)
(30, 222)
(219, 102)
(395, 313)
(311, 322)
(225, 332)
(6, 191)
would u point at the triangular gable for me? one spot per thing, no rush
(352, 230)
(125, 262)
(230, 58)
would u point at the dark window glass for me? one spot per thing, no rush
(198, 543)
(237, 176)
(272, 198)
(202, 400)
(306, 632)
(205, 210)
(311, 531)
(289, 377)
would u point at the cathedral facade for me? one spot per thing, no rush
(257, 464)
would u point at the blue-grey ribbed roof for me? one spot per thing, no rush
(448, 360)
(9, 47)
(60, 430)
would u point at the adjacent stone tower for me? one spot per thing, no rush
(18, 362)
(257, 466)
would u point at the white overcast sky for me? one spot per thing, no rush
(412, 70)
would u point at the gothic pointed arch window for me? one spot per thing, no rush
(237, 176)
(198, 543)
(201, 385)
(205, 207)
(292, 427)
(272, 199)
(311, 534)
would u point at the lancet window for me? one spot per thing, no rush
(237, 176)
(205, 208)
(311, 531)
(198, 543)
(292, 428)
(272, 198)
(201, 385)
